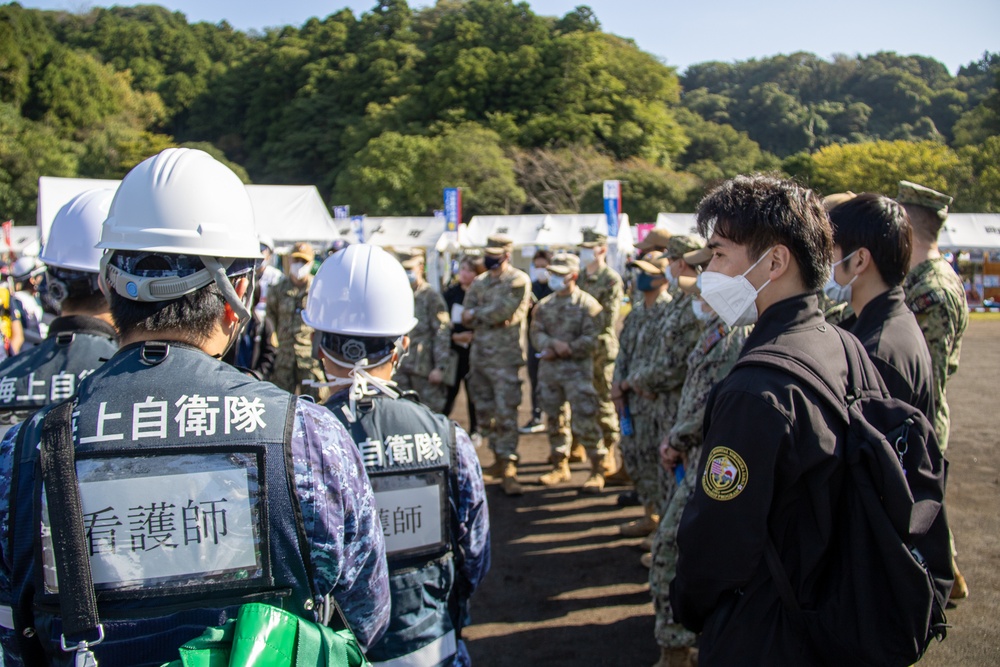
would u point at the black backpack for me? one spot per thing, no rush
(889, 573)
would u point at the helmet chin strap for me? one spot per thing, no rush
(362, 382)
(218, 272)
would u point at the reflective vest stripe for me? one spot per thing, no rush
(429, 655)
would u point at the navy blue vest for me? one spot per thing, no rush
(409, 451)
(50, 372)
(183, 465)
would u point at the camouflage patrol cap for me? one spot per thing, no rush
(678, 245)
(654, 263)
(918, 195)
(498, 244)
(698, 257)
(564, 263)
(831, 202)
(592, 238)
(656, 239)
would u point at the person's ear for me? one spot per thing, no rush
(779, 259)
(240, 286)
(862, 261)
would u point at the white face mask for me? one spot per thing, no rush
(668, 274)
(837, 292)
(587, 256)
(732, 297)
(557, 282)
(538, 274)
(702, 311)
(301, 270)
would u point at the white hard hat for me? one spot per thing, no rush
(361, 291)
(76, 230)
(26, 267)
(182, 201)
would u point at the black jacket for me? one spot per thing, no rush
(771, 465)
(890, 333)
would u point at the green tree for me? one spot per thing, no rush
(976, 179)
(879, 166)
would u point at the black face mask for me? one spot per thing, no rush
(493, 261)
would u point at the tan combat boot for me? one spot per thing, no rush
(578, 454)
(677, 657)
(495, 469)
(558, 474)
(595, 483)
(960, 590)
(511, 486)
(640, 527)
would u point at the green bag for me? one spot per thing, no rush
(266, 636)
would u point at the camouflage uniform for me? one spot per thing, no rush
(606, 286)
(681, 329)
(935, 294)
(641, 348)
(574, 320)
(430, 348)
(711, 358)
(294, 362)
(499, 307)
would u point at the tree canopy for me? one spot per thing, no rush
(527, 113)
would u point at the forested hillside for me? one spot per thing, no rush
(527, 113)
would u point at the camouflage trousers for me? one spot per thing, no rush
(496, 392)
(290, 372)
(564, 383)
(432, 395)
(604, 372)
(669, 633)
(639, 450)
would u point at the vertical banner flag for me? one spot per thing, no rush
(341, 212)
(358, 225)
(613, 205)
(452, 209)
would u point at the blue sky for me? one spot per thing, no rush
(685, 32)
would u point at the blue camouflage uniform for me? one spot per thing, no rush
(341, 525)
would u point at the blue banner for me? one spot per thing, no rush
(341, 212)
(358, 225)
(612, 205)
(452, 209)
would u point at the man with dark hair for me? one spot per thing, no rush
(83, 337)
(872, 238)
(296, 369)
(935, 294)
(771, 464)
(200, 487)
(871, 252)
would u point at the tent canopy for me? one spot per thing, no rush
(970, 231)
(403, 232)
(678, 224)
(543, 230)
(286, 213)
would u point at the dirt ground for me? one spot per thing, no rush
(566, 589)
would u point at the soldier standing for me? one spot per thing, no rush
(429, 363)
(711, 358)
(495, 308)
(294, 363)
(564, 328)
(604, 284)
(935, 294)
(637, 385)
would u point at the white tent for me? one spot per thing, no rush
(286, 213)
(404, 232)
(544, 230)
(970, 231)
(55, 192)
(678, 224)
(291, 213)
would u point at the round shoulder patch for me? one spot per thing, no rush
(725, 474)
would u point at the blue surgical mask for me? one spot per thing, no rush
(839, 293)
(644, 282)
